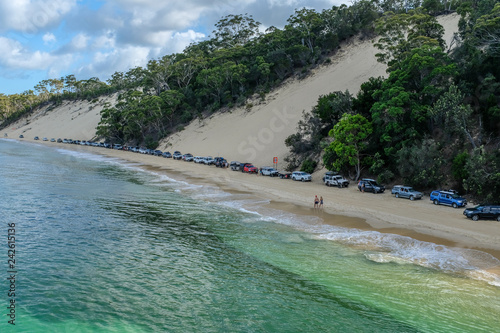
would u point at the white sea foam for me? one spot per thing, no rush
(391, 248)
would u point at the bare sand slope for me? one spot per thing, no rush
(72, 119)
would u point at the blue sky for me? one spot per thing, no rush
(41, 39)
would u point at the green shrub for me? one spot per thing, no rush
(308, 166)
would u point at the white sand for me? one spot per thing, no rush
(258, 135)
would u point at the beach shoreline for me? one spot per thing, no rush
(420, 220)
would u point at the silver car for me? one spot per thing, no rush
(401, 191)
(302, 176)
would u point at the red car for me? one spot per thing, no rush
(250, 168)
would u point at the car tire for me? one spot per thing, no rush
(435, 201)
(303, 179)
(498, 218)
(412, 198)
(454, 205)
(475, 217)
(397, 195)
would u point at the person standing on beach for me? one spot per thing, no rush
(316, 201)
(321, 202)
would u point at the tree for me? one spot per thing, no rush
(307, 23)
(400, 34)
(484, 175)
(350, 140)
(455, 114)
(235, 30)
(420, 164)
(330, 108)
(487, 29)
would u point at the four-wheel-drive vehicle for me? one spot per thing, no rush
(198, 159)
(302, 176)
(235, 165)
(209, 160)
(331, 179)
(157, 153)
(177, 155)
(250, 168)
(448, 198)
(401, 191)
(370, 185)
(167, 154)
(221, 162)
(268, 171)
(483, 212)
(188, 157)
(285, 175)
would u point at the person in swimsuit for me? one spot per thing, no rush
(316, 201)
(320, 202)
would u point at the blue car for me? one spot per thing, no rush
(448, 198)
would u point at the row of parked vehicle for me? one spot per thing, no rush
(438, 197)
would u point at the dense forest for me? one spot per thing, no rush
(434, 121)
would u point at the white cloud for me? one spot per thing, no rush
(30, 16)
(15, 57)
(80, 41)
(49, 38)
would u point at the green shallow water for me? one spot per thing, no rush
(104, 247)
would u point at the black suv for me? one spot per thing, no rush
(483, 212)
(370, 185)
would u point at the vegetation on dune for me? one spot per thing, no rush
(434, 121)
(435, 118)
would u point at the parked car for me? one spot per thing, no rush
(198, 159)
(209, 160)
(483, 212)
(302, 176)
(448, 198)
(21, 136)
(249, 168)
(177, 155)
(45, 139)
(401, 191)
(221, 162)
(188, 157)
(117, 147)
(59, 140)
(268, 171)
(370, 185)
(36, 138)
(333, 179)
(52, 140)
(235, 165)
(157, 152)
(167, 154)
(285, 175)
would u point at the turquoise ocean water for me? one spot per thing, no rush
(104, 246)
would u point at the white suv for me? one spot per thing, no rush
(300, 175)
